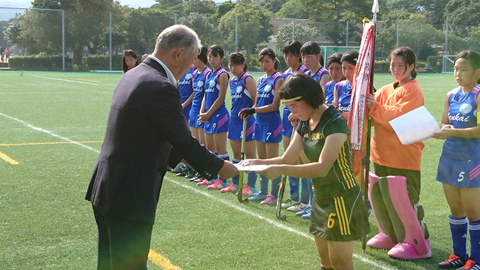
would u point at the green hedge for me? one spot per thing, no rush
(38, 62)
(102, 62)
(47, 62)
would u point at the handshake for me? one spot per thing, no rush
(246, 112)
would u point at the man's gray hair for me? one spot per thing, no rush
(176, 36)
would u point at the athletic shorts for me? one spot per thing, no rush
(459, 173)
(413, 177)
(235, 129)
(194, 121)
(268, 133)
(286, 125)
(217, 123)
(341, 218)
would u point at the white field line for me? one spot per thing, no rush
(63, 80)
(268, 220)
(50, 133)
(209, 195)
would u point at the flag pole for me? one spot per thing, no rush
(375, 10)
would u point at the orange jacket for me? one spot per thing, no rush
(386, 148)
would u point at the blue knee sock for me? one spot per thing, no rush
(306, 190)
(224, 157)
(294, 188)
(252, 179)
(458, 227)
(235, 178)
(474, 228)
(264, 184)
(276, 186)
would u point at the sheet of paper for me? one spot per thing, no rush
(250, 168)
(415, 126)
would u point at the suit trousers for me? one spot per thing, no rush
(122, 244)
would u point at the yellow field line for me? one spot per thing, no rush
(89, 80)
(161, 261)
(45, 143)
(8, 159)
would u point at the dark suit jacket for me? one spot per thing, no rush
(145, 122)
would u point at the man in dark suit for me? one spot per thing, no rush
(145, 127)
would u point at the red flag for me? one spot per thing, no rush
(361, 85)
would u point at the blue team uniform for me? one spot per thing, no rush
(459, 164)
(185, 88)
(344, 96)
(318, 75)
(241, 98)
(198, 85)
(268, 125)
(286, 124)
(329, 88)
(218, 121)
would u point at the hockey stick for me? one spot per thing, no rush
(281, 190)
(242, 157)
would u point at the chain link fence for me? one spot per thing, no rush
(95, 40)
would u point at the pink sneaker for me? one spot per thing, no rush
(249, 191)
(205, 182)
(231, 188)
(270, 200)
(218, 184)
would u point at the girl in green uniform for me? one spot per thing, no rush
(338, 216)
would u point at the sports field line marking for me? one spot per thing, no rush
(161, 261)
(271, 221)
(63, 80)
(50, 133)
(45, 143)
(8, 159)
(85, 80)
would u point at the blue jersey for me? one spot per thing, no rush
(344, 96)
(212, 88)
(318, 75)
(289, 72)
(265, 94)
(286, 73)
(462, 113)
(198, 86)
(241, 98)
(185, 84)
(329, 88)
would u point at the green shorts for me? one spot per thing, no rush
(340, 218)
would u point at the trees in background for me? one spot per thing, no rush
(87, 30)
(253, 27)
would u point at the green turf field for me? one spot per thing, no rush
(52, 125)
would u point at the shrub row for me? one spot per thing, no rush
(102, 62)
(38, 62)
(45, 62)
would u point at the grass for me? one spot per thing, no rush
(52, 123)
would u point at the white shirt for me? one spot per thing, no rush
(170, 76)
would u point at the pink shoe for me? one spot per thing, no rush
(270, 200)
(249, 191)
(205, 182)
(218, 184)
(405, 251)
(381, 241)
(231, 188)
